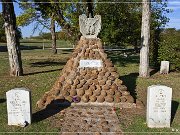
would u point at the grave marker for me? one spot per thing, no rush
(164, 67)
(158, 106)
(19, 106)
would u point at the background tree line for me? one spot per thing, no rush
(121, 22)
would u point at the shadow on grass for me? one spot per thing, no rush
(174, 108)
(35, 41)
(22, 47)
(50, 110)
(41, 72)
(28, 47)
(67, 51)
(120, 60)
(3, 48)
(46, 63)
(130, 82)
(2, 100)
(153, 71)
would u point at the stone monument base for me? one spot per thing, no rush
(88, 77)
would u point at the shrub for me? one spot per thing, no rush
(169, 48)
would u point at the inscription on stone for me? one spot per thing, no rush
(19, 107)
(90, 63)
(159, 106)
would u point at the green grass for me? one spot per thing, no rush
(128, 70)
(41, 69)
(47, 43)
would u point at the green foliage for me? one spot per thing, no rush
(72, 18)
(45, 36)
(158, 13)
(43, 12)
(121, 22)
(52, 9)
(59, 36)
(158, 21)
(169, 48)
(2, 31)
(26, 18)
(31, 14)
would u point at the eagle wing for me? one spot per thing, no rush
(82, 24)
(97, 24)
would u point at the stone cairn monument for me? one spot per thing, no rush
(88, 77)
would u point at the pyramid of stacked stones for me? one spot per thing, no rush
(80, 84)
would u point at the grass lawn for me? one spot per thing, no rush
(41, 69)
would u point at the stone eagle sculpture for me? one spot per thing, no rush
(90, 27)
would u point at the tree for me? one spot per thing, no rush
(120, 22)
(12, 38)
(145, 40)
(158, 20)
(169, 48)
(53, 34)
(2, 30)
(47, 13)
(40, 13)
(89, 8)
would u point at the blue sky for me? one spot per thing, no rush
(174, 17)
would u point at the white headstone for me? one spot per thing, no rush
(164, 67)
(90, 27)
(158, 106)
(19, 106)
(90, 63)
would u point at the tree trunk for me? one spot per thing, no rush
(53, 34)
(12, 38)
(89, 9)
(145, 40)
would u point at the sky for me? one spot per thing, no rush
(174, 17)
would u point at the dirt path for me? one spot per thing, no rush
(92, 120)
